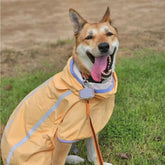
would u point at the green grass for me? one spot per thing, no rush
(137, 126)
(21, 86)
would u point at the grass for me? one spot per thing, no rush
(136, 128)
(20, 88)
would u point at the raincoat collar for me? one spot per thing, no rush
(75, 82)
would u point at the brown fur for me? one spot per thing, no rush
(60, 153)
(97, 38)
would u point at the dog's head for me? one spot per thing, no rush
(96, 45)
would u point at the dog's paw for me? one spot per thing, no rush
(107, 163)
(73, 159)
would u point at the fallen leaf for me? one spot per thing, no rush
(8, 87)
(157, 138)
(124, 155)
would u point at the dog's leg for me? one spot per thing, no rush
(91, 153)
(60, 153)
(74, 159)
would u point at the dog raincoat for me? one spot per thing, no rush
(54, 110)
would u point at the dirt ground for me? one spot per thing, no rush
(31, 28)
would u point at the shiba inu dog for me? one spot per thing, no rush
(96, 46)
(44, 125)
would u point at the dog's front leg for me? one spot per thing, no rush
(91, 153)
(60, 153)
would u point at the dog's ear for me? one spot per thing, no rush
(77, 20)
(106, 17)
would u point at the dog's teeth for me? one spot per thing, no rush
(109, 59)
(106, 73)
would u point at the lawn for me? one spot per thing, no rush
(135, 134)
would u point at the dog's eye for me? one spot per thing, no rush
(109, 34)
(89, 37)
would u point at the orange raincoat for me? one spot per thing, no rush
(54, 110)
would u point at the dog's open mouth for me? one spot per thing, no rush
(102, 66)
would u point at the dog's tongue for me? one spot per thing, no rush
(99, 66)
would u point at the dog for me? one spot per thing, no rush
(48, 120)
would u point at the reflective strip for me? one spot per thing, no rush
(10, 122)
(105, 90)
(37, 125)
(72, 72)
(67, 141)
(5, 130)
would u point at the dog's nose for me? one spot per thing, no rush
(103, 47)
